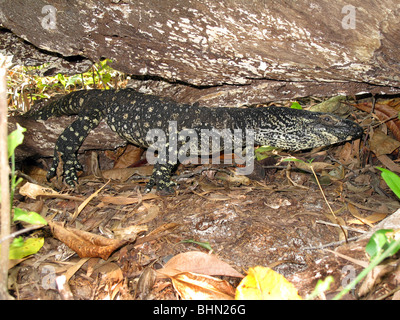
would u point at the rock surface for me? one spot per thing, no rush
(239, 49)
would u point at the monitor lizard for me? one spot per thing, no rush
(132, 115)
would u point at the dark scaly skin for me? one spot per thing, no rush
(132, 115)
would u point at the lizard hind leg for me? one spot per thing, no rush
(161, 179)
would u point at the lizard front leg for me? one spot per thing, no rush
(69, 142)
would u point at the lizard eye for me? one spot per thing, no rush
(327, 119)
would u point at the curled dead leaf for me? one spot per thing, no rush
(85, 244)
(32, 191)
(192, 286)
(128, 157)
(356, 214)
(372, 218)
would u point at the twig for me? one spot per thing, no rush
(17, 233)
(327, 203)
(337, 225)
(331, 244)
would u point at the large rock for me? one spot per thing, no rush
(250, 48)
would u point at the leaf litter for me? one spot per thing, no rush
(144, 235)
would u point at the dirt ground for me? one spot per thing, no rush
(279, 220)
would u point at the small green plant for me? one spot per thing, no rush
(382, 246)
(14, 139)
(28, 86)
(205, 245)
(384, 242)
(20, 247)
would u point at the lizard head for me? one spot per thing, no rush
(294, 129)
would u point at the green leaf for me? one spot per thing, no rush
(393, 248)
(106, 78)
(73, 80)
(296, 105)
(321, 287)
(263, 152)
(61, 78)
(18, 242)
(205, 245)
(29, 217)
(14, 139)
(19, 250)
(377, 243)
(392, 180)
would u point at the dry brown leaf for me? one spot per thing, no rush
(382, 208)
(85, 244)
(317, 166)
(36, 173)
(93, 165)
(396, 295)
(235, 179)
(148, 212)
(125, 201)
(381, 143)
(356, 214)
(111, 270)
(372, 218)
(123, 174)
(130, 232)
(145, 283)
(374, 277)
(384, 113)
(192, 286)
(32, 191)
(74, 268)
(389, 163)
(131, 155)
(198, 262)
(112, 277)
(350, 154)
(87, 200)
(163, 228)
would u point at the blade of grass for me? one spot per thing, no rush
(374, 262)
